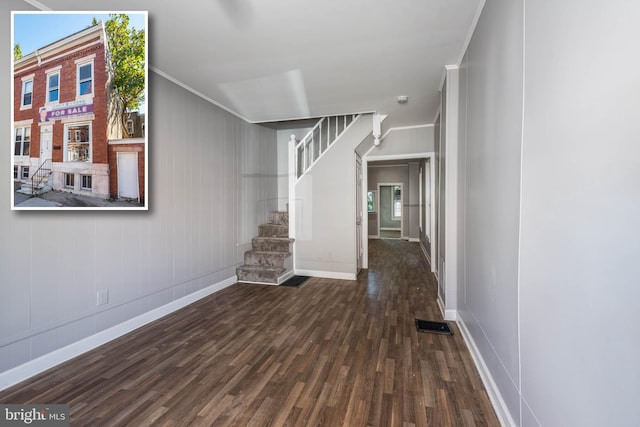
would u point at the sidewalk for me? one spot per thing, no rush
(54, 199)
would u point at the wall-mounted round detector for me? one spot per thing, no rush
(402, 99)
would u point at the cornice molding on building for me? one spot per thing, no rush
(55, 58)
(79, 38)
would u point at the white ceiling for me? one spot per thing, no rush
(268, 60)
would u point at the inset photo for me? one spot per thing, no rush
(79, 111)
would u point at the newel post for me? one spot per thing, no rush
(293, 177)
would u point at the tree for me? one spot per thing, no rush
(127, 50)
(17, 51)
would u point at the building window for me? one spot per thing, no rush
(85, 79)
(397, 202)
(69, 180)
(85, 182)
(130, 127)
(27, 93)
(22, 141)
(78, 143)
(53, 87)
(15, 172)
(371, 201)
(25, 172)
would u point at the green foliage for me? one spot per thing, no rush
(127, 48)
(17, 51)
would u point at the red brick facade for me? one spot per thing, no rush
(76, 107)
(114, 149)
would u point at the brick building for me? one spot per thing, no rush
(65, 114)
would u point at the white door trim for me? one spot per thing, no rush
(365, 218)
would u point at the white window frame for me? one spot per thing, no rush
(24, 84)
(22, 172)
(69, 177)
(15, 134)
(83, 179)
(49, 88)
(80, 64)
(129, 127)
(67, 133)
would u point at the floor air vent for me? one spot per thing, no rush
(295, 281)
(433, 327)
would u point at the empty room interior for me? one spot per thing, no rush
(322, 176)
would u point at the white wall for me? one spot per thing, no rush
(490, 138)
(549, 292)
(325, 209)
(415, 139)
(212, 181)
(388, 174)
(580, 240)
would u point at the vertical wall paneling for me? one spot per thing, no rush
(212, 180)
(491, 135)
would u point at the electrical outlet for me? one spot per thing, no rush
(102, 297)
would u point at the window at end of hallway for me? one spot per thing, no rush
(371, 201)
(397, 202)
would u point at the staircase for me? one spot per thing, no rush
(39, 181)
(310, 148)
(269, 260)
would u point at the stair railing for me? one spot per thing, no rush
(43, 172)
(318, 140)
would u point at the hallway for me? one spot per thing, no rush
(329, 353)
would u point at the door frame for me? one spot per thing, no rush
(390, 184)
(359, 214)
(365, 218)
(50, 147)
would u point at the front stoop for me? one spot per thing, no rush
(269, 259)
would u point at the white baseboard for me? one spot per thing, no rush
(390, 229)
(499, 405)
(326, 274)
(49, 360)
(414, 239)
(446, 314)
(286, 276)
(373, 236)
(424, 251)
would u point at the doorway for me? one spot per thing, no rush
(390, 210)
(370, 223)
(46, 138)
(128, 176)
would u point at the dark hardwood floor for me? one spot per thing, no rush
(328, 353)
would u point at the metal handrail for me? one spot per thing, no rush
(39, 175)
